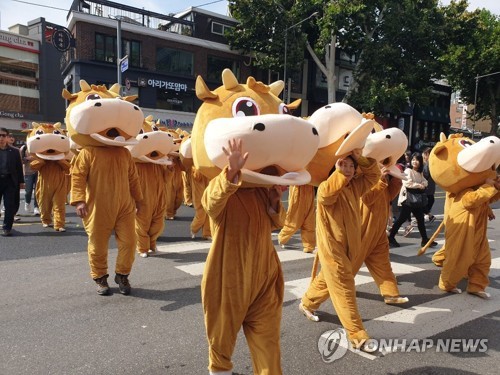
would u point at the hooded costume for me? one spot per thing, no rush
(104, 176)
(48, 144)
(461, 167)
(151, 159)
(301, 214)
(242, 282)
(338, 219)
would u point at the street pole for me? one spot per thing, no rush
(286, 98)
(475, 101)
(284, 69)
(119, 50)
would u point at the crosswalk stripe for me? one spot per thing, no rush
(196, 269)
(404, 251)
(295, 289)
(183, 247)
(431, 318)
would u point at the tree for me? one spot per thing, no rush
(475, 52)
(396, 43)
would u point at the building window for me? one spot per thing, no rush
(215, 66)
(105, 49)
(219, 28)
(170, 60)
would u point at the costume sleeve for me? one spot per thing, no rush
(394, 187)
(79, 174)
(134, 182)
(329, 190)
(478, 197)
(370, 196)
(217, 193)
(64, 164)
(370, 174)
(37, 164)
(277, 218)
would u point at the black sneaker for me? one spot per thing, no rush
(102, 285)
(6, 232)
(393, 242)
(123, 284)
(432, 244)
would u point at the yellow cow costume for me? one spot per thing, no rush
(105, 186)
(175, 192)
(186, 156)
(49, 145)
(467, 171)
(242, 282)
(300, 215)
(338, 219)
(151, 159)
(385, 146)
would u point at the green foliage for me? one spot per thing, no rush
(474, 51)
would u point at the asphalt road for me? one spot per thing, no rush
(53, 322)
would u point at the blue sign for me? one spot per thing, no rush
(124, 64)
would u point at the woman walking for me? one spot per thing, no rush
(414, 184)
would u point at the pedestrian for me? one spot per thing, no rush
(338, 230)
(431, 186)
(30, 180)
(11, 181)
(414, 180)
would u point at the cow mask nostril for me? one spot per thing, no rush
(112, 133)
(97, 104)
(260, 127)
(315, 132)
(388, 136)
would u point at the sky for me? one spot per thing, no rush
(22, 11)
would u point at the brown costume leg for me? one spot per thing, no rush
(59, 208)
(316, 294)
(126, 241)
(262, 328)
(98, 249)
(478, 272)
(379, 265)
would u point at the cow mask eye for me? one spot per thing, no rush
(465, 143)
(283, 109)
(245, 106)
(155, 128)
(93, 97)
(56, 132)
(39, 132)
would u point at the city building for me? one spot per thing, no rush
(30, 80)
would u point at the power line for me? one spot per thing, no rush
(39, 5)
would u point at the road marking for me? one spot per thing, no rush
(405, 252)
(184, 247)
(196, 269)
(295, 289)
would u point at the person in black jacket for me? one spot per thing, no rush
(11, 181)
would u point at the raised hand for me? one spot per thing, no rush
(235, 157)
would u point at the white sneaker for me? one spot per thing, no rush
(61, 229)
(28, 207)
(193, 235)
(17, 218)
(36, 211)
(143, 255)
(308, 314)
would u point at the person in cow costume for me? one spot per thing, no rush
(343, 132)
(105, 187)
(467, 172)
(151, 156)
(48, 145)
(245, 143)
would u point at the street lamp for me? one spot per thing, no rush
(286, 99)
(475, 101)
